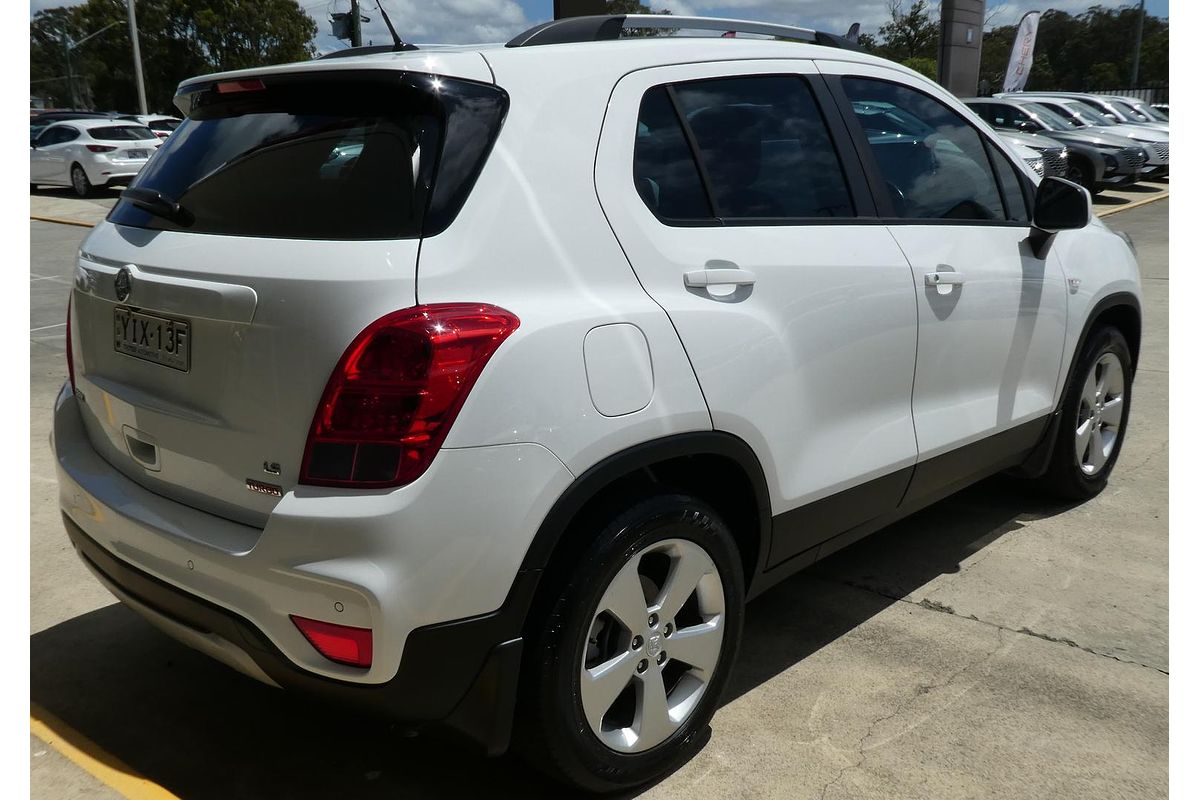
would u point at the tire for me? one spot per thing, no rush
(663, 541)
(1079, 171)
(80, 183)
(1092, 428)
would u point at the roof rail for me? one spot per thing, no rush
(366, 51)
(602, 28)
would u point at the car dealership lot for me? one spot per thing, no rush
(993, 645)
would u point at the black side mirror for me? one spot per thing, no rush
(1061, 205)
(1058, 205)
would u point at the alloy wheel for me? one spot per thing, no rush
(653, 645)
(79, 181)
(1101, 407)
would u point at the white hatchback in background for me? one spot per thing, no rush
(160, 124)
(482, 385)
(85, 153)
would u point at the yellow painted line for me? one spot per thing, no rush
(63, 221)
(1134, 204)
(105, 767)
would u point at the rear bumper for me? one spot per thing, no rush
(432, 568)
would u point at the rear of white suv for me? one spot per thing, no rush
(482, 386)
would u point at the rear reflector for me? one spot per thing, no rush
(395, 393)
(229, 87)
(340, 643)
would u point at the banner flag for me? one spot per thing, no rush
(1021, 60)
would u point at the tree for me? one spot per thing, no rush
(634, 7)
(911, 33)
(178, 39)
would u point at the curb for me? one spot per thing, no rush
(63, 221)
(1136, 204)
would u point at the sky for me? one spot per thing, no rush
(498, 20)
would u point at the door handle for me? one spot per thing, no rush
(944, 279)
(699, 278)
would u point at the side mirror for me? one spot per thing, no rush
(1058, 205)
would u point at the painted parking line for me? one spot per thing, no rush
(1136, 204)
(47, 327)
(85, 753)
(63, 221)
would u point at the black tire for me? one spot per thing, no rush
(1066, 478)
(1079, 170)
(556, 736)
(80, 183)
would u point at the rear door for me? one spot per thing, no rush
(992, 313)
(204, 337)
(744, 214)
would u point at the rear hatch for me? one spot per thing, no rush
(276, 223)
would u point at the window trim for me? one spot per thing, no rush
(857, 188)
(887, 210)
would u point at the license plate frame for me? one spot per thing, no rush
(147, 337)
(137, 153)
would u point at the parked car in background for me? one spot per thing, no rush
(1030, 156)
(1162, 108)
(46, 117)
(1103, 105)
(1053, 154)
(1082, 115)
(160, 124)
(86, 153)
(1094, 160)
(1137, 110)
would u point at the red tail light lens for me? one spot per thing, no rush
(100, 148)
(70, 355)
(396, 391)
(232, 87)
(340, 643)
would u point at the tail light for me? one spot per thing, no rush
(340, 643)
(70, 355)
(100, 148)
(396, 391)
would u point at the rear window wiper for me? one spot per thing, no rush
(159, 205)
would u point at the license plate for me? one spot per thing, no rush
(150, 338)
(137, 153)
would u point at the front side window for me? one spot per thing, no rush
(759, 142)
(931, 159)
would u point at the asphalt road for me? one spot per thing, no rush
(994, 645)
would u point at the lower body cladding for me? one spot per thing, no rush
(433, 570)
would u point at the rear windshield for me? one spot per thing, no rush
(164, 124)
(122, 133)
(320, 158)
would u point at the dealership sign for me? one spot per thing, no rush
(1021, 60)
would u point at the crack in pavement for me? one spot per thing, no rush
(922, 689)
(942, 608)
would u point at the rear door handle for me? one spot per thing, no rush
(944, 279)
(699, 278)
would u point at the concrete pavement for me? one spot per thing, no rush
(994, 645)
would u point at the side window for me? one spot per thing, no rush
(664, 171)
(932, 160)
(67, 135)
(50, 136)
(765, 148)
(1010, 184)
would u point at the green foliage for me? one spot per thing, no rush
(911, 33)
(926, 66)
(178, 39)
(634, 7)
(1088, 51)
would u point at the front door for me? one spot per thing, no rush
(992, 313)
(740, 205)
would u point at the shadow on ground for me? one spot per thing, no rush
(204, 731)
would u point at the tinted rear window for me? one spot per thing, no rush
(122, 133)
(317, 158)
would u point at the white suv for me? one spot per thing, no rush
(482, 386)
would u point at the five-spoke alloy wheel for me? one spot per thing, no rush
(625, 672)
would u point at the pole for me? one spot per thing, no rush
(355, 25)
(1137, 44)
(137, 58)
(70, 76)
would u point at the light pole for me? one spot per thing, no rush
(68, 46)
(1137, 44)
(137, 58)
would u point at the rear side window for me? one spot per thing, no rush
(761, 144)
(931, 159)
(121, 133)
(355, 157)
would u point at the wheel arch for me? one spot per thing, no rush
(716, 467)
(1123, 311)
